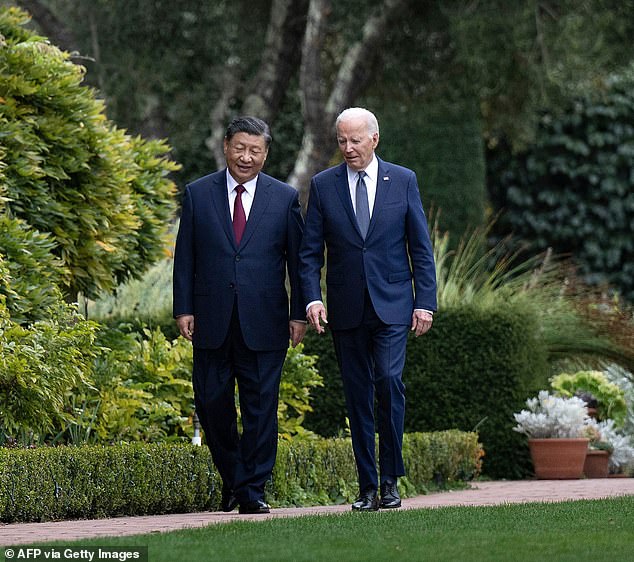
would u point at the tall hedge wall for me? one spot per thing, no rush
(444, 146)
(472, 370)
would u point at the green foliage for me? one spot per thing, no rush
(299, 377)
(92, 481)
(139, 479)
(102, 195)
(328, 417)
(538, 285)
(448, 159)
(572, 190)
(30, 273)
(471, 372)
(610, 398)
(143, 390)
(146, 301)
(159, 67)
(39, 365)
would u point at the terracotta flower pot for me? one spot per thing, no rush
(557, 459)
(596, 465)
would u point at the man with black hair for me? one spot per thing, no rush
(239, 237)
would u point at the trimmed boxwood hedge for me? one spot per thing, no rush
(139, 479)
(472, 370)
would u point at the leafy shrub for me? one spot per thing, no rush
(103, 196)
(572, 190)
(448, 159)
(39, 365)
(142, 391)
(145, 302)
(30, 273)
(299, 377)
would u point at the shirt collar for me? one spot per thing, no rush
(248, 186)
(372, 171)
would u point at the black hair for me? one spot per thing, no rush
(251, 126)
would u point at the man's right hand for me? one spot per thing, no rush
(317, 313)
(185, 325)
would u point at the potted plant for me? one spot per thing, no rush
(555, 428)
(604, 435)
(599, 449)
(596, 390)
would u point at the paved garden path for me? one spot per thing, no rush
(480, 493)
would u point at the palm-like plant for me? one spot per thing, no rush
(498, 277)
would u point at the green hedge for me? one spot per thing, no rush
(92, 482)
(571, 190)
(443, 144)
(472, 370)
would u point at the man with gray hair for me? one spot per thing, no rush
(380, 282)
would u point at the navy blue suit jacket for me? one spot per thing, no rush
(395, 261)
(210, 269)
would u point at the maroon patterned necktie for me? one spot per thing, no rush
(239, 216)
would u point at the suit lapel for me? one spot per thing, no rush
(343, 190)
(220, 202)
(383, 182)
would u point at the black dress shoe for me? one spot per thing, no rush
(367, 501)
(254, 508)
(229, 501)
(389, 496)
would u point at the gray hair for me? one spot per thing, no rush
(356, 112)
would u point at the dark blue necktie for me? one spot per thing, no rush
(362, 206)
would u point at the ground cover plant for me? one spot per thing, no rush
(575, 531)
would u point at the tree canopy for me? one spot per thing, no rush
(182, 67)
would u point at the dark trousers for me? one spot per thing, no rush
(371, 359)
(245, 462)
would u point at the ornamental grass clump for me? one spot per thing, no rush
(552, 417)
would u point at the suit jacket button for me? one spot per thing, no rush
(232, 285)
(238, 257)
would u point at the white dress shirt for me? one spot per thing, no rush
(247, 196)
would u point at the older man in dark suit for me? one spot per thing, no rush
(380, 280)
(239, 236)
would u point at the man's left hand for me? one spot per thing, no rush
(421, 322)
(297, 329)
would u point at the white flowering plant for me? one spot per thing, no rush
(619, 445)
(550, 416)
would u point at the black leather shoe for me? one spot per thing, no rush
(254, 508)
(367, 501)
(389, 496)
(229, 501)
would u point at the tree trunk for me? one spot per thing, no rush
(352, 78)
(280, 59)
(264, 93)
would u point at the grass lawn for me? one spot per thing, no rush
(597, 530)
